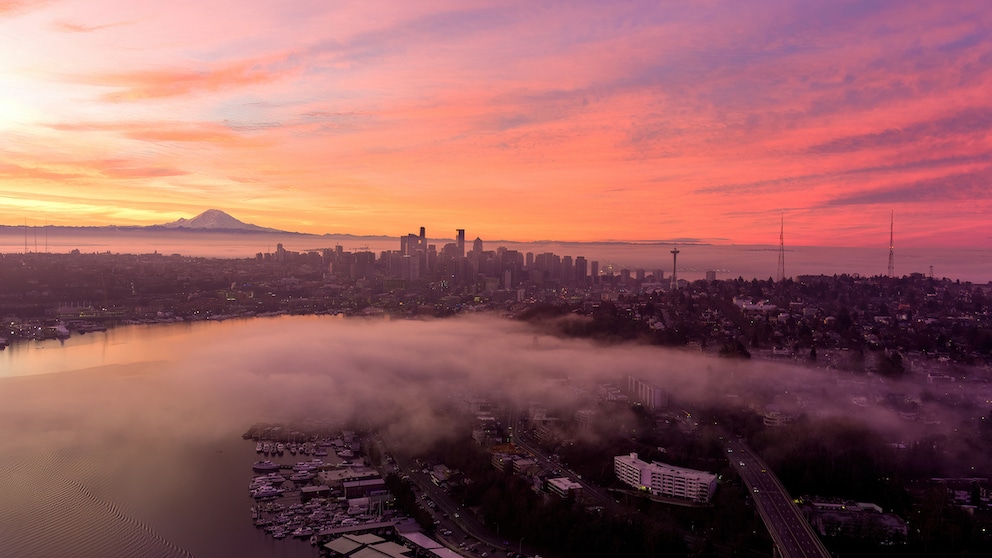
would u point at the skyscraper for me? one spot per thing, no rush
(581, 271)
(567, 270)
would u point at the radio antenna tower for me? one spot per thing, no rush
(892, 257)
(675, 268)
(781, 251)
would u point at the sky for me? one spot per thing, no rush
(707, 121)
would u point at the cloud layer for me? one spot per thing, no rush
(572, 121)
(206, 380)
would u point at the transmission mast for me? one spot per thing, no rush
(675, 267)
(892, 257)
(781, 251)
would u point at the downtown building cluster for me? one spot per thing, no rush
(418, 260)
(456, 264)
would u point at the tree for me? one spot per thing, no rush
(735, 349)
(891, 365)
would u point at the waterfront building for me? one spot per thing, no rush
(359, 488)
(426, 546)
(366, 546)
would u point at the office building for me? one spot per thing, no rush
(460, 242)
(581, 270)
(564, 487)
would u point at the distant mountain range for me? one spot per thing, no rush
(209, 222)
(215, 220)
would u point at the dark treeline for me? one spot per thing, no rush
(509, 506)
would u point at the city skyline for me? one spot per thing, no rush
(622, 121)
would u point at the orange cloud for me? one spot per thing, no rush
(14, 7)
(69, 27)
(196, 132)
(89, 169)
(629, 120)
(152, 84)
(8, 170)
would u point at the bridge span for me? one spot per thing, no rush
(792, 534)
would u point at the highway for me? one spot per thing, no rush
(792, 534)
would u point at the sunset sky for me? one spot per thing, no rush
(573, 120)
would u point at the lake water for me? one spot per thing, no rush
(730, 261)
(128, 442)
(110, 446)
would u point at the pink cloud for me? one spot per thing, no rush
(626, 120)
(185, 132)
(16, 7)
(139, 85)
(69, 27)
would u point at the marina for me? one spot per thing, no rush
(314, 502)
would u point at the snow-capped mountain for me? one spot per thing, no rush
(215, 220)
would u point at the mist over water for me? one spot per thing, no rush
(730, 261)
(127, 442)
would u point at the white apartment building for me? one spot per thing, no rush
(564, 486)
(662, 479)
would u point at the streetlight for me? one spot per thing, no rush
(520, 546)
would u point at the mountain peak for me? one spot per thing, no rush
(214, 219)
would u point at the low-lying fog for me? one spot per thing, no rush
(127, 442)
(210, 380)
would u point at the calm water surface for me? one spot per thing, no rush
(115, 445)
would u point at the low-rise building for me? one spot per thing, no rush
(859, 520)
(564, 487)
(360, 488)
(366, 546)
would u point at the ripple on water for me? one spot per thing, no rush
(49, 511)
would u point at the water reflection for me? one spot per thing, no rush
(109, 446)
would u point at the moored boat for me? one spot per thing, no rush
(265, 466)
